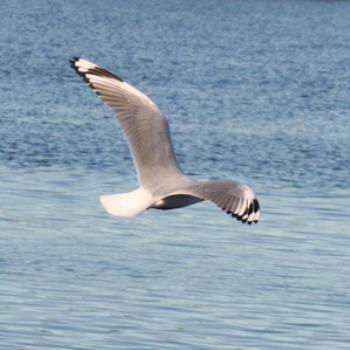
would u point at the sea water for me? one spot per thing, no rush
(257, 91)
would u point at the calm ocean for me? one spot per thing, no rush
(254, 90)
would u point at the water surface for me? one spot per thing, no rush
(257, 91)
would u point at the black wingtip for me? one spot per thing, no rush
(101, 72)
(72, 62)
(256, 205)
(98, 71)
(74, 59)
(247, 212)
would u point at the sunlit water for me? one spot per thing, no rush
(257, 91)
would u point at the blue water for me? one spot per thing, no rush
(257, 91)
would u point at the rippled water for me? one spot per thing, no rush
(257, 91)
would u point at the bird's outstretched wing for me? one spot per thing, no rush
(236, 199)
(145, 127)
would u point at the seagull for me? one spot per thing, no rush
(162, 183)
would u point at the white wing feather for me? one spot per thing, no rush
(145, 127)
(236, 199)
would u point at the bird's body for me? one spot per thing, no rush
(162, 183)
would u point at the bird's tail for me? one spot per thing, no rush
(127, 204)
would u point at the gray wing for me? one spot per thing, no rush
(145, 127)
(236, 199)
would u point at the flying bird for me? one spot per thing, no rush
(162, 184)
